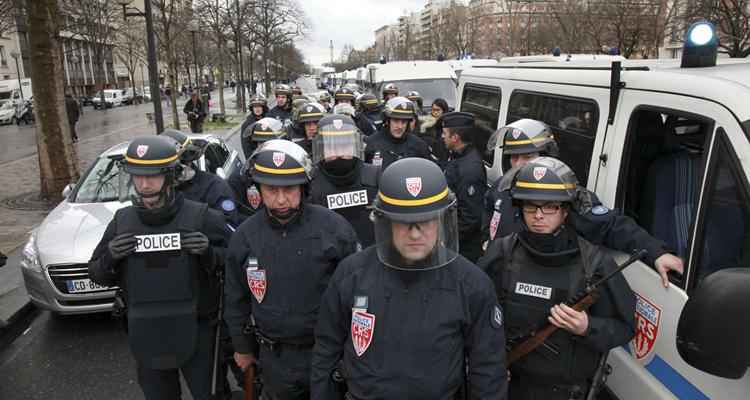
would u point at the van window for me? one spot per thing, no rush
(572, 119)
(661, 173)
(724, 233)
(484, 103)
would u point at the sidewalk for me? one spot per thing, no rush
(21, 178)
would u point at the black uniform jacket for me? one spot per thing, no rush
(288, 268)
(390, 149)
(105, 271)
(421, 327)
(467, 178)
(214, 191)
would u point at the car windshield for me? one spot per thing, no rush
(101, 184)
(429, 89)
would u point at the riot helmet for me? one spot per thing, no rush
(280, 163)
(150, 156)
(545, 179)
(368, 102)
(324, 97)
(258, 101)
(296, 90)
(338, 137)
(190, 149)
(286, 91)
(266, 129)
(344, 109)
(344, 94)
(416, 98)
(415, 217)
(525, 136)
(389, 90)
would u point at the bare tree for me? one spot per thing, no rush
(170, 25)
(94, 22)
(8, 14)
(58, 164)
(130, 47)
(277, 22)
(732, 19)
(214, 17)
(459, 28)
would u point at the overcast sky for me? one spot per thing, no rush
(348, 21)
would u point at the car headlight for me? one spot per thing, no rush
(30, 255)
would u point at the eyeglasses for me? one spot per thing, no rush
(547, 208)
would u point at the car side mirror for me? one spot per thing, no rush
(68, 190)
(715, 323)
(221, 173)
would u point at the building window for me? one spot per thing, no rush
(3, 58)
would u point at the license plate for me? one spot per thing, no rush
(84, 285)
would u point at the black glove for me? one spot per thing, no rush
(122, 246)
(195, 243)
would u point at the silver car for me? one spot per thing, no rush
(54, 260)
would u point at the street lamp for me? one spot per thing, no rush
(193, 28)
(15, 56)
(152, 65)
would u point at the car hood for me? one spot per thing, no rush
(6, 113)
(71, 231)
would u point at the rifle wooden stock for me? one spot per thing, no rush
(249, 384)
(530, 344)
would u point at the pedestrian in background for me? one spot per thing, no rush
(74, 113)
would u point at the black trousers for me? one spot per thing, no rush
(285, 372)
(196, 125)
(165, 384)
(525, 388)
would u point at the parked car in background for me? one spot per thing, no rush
(112, 98)
(7, 112)
(131, 96)
(86, 100)
(54, 261)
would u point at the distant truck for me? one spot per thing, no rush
(432, 79)
(9, 90)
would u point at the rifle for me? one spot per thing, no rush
(581, 302)
(248, 384)
(217, 339)
(600, 377)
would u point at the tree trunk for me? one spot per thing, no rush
(58, 162)
(252, 71)
(266, 72)
(222, 108)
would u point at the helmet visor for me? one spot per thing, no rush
(329, 145)
(417, 242)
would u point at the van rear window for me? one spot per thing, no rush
(572, 119)
(484, 103)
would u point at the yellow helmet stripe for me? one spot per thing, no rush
(373, 101)
(526, 141)
(345, 95)
(311, 115)
(280, 171)
(545, 186)
(416, 202)
(151, 162)
(266, 133)
(337, 133)
(402, 111)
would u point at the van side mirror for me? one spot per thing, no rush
(221, 173)
(715, 323)
(68, 189)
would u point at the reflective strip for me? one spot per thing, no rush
(414, 203)
(336, 133)
(286, 171)
(527, 141)
(402, 111)
(311, 115)
(370, 102)
(545, 186)
(266, 133)
(342, 95)
(151, 162)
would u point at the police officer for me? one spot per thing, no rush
(538, 269)
(325, 100)
(262, 131)
(163, 252)
(283, 109)
(370, 116)
(389, 91)
(296, 90)
(467, 178)
(200, 186)
(258, 111)
(342, 181)
(527, 139)
(395, 140)
(344, 95)
(410, 317)
(416, 98)
(278, 265)
(307, 125)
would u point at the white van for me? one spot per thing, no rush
(432, 79)
(670, 147)
(112, 98)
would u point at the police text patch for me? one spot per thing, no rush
(348, 199)
(162, 242)
(528, 289)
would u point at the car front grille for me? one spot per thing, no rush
(60, 274)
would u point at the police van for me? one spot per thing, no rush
(432, 79)
(667, 142)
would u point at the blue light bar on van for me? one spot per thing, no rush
(701, 46)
